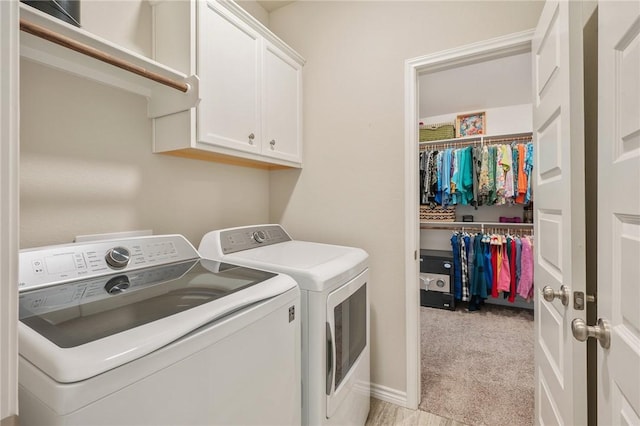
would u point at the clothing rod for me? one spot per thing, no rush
(480, 139)
(500, 140)
(69, 43)
(452, 143)
(496, 229)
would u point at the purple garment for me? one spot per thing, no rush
(526, 269)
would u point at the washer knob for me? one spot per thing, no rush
(259, 236)
(118, 257)
(117, 285)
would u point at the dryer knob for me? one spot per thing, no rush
(259, 236)
(118, 257)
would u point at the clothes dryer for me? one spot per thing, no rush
(334, 281)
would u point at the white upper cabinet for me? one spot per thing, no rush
(282, 119)
(250, 86)
(229, 60)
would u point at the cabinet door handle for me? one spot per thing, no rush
(272, 143)
(251, 138)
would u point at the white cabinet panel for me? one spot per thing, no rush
(228, 61)
(282, 105)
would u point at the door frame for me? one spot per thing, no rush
(507, 45)
(9, 208)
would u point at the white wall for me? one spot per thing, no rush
(87, 165)
(256, 10)
(351, 188)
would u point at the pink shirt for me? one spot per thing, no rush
(526, 267)
(504, 274)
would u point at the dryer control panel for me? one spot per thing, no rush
(250, 237)
(62, 263)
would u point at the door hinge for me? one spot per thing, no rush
(415, 255)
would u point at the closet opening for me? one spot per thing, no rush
(453, 330)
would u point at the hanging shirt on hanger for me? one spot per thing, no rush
(483, 182)
(492, 163)
(480, 282)
(457, 268)
(515, 167)
(518, 262)
(504, 275)
(529, 169)
(507, 165)
(476, 169)
(522, 175)
(526, 280)
(512, 268)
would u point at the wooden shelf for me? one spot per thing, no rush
(459, 225)
(163, 100)
(494, 224)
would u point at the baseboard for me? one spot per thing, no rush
(390, 395)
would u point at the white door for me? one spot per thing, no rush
(560, 360)
(619, 210)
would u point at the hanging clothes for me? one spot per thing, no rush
(491, 264)
(477, 175)
(526, 280)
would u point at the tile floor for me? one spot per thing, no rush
(384, 413)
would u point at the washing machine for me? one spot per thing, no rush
(143, 331)
(334, 281)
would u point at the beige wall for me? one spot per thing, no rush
(86, 160)
(351, 189)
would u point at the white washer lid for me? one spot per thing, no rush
(314, 266)
(77, 363)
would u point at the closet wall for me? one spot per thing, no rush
(502, 89)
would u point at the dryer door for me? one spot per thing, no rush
(347, 374)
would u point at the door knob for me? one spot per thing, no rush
(601, 331)
(550, 294)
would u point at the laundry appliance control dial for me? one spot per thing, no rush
(259, 236)
(117, 285)
(118, 257)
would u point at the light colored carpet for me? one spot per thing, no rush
(477, 367)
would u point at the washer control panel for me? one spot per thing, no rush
(56, 264)
(239, 239)
(51, 298)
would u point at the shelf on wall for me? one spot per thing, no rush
(459, 225)
(478, 138)
(135, 73)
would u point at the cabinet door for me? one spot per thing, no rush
(229, 71)
(282, 105)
